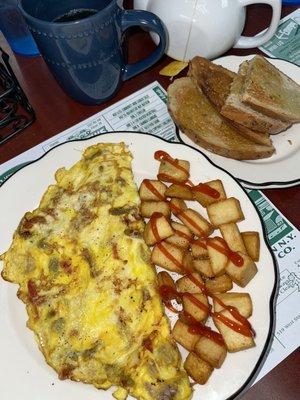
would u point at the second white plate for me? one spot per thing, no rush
(278, 171)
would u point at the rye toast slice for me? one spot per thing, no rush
(215, 81)
(198, 119)
(235, 110)
(270, 91)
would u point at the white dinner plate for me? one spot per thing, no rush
(281, 169)
(24, 372)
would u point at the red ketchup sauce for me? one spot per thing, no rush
(206, 189)
(196, 328)
(153, 224)
(168, 293)
(233, 256)
(152, 189)
(161, 155)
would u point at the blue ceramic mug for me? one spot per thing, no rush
(81, 41)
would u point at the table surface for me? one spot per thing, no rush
(56, 112)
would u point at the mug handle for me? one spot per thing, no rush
(144, 19)
(256, 41)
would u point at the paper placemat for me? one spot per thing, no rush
(146, 111)
(285, 44)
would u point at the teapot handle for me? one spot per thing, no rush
(140, 4)
(256, 41)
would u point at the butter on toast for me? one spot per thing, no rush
(222, 87)
(198, 119)
(270, 91)
(234, 109)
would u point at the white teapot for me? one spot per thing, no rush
(207, 27)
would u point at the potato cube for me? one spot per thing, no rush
(176, 205)
(181, 237)
(163, 228)
(196, 305)
(234, 341)
(252, 243)
(195, 222)
(185, 284)
(220, 284)
(210, 351)
(243, 274)
(197, 368)
(164, 279)
(225, 211)
(203, 266)
(187, 262)
(150, 207)
(167, 256)
(169, 172)
(147, 195)
(233, 237)
(241, 301)
(205, 199)
(199, 249)
(218, 260)
(181, 334)
(180, 192)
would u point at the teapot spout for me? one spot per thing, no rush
(140, 4)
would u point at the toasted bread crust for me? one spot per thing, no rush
(256, 137)
(223, 88)
(229, 153)
(251, 121)
(235, 110)
(197, 118)
(213, 79)
(270, 91)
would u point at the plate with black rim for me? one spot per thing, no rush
(277, 171)
(21, 360)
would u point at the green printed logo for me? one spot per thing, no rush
(160, 93)
(285, 43)
(276, 226)
(11, 171)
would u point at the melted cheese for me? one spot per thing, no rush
(90, 290)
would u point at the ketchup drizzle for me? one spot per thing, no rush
(233, 256)
(169, 255)
(183, 215)
(153, 189)
(206, 189)
(242, 326)
(197, 328)
(161, 155)
(201, 187)
(153, 223)
(168, 293)
(182, 234)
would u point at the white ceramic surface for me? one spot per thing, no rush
(207, 27)
(280, 170)
(24, 372)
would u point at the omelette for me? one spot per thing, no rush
(85, 275)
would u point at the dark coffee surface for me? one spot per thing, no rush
(75, 15)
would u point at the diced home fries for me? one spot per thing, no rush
(207, 265)
(197, 368)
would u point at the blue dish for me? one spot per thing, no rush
(291, 2)
(86, 55)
